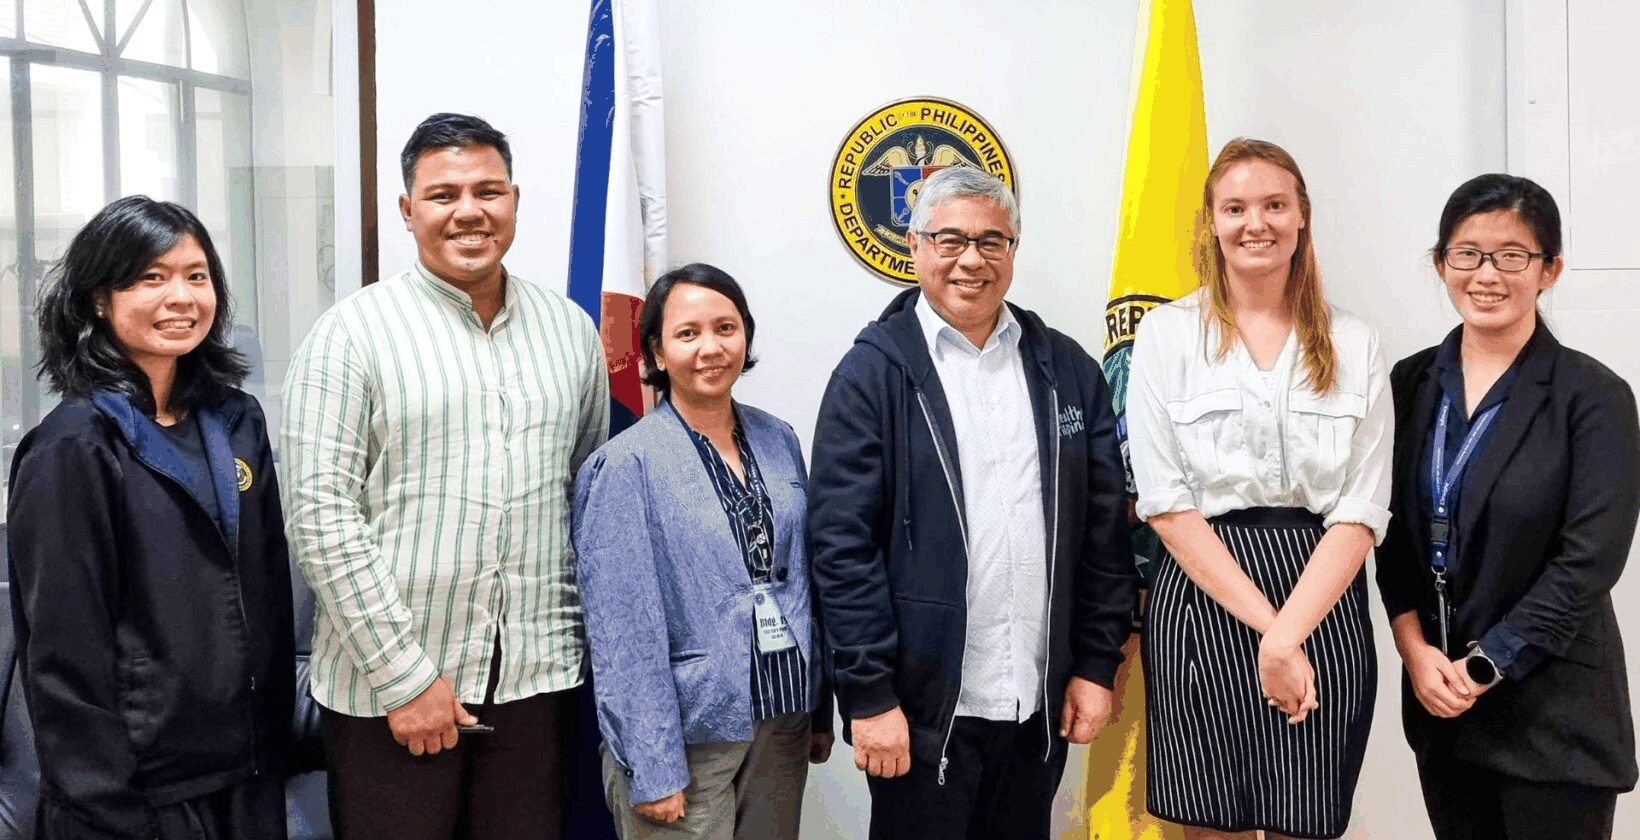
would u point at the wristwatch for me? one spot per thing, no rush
(1480, 667)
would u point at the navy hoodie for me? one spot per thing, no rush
(155, 642)
(886, 525)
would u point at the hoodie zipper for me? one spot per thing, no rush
(1053, 550)
(239, 598)
(962, 527)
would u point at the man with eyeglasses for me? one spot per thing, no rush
(968, 529)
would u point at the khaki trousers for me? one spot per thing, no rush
(737, 791)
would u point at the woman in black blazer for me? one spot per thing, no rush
(1516, 488)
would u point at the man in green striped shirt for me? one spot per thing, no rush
(433, 426)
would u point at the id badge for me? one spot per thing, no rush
(773, 635)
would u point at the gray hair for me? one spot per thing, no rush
(959, 182)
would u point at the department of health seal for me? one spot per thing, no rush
(882, 163)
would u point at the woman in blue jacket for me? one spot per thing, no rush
(689, 538)
(150, 582)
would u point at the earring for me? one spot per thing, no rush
(101, 313)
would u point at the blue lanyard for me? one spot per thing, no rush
(1440, 529)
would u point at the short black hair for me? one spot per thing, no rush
(441, 131)
(79, 354)
(654, 311)
(1497, 191)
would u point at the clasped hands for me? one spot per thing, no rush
(1287, 678)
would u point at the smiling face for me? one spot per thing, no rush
(1256, 218)
(1493, 301)
(168, 311)
(966, 290)
(702, 346)
(463, 210)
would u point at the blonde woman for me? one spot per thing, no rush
(1260, 431)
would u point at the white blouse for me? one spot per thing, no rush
(1213, 436)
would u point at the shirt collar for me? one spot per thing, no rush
(1449, 369)
(449, 293)
(934, 327)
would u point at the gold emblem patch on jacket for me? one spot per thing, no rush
(242, 470)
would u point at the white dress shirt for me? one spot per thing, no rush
(1212, 436)
(1002, 665)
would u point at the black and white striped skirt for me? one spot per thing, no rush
(1219, 755)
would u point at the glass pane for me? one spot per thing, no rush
(8, 27)
(158, 36)
(149, 116)
(216, 30)
(68, 162)
(13, 313)
(225, 205)
(62, 23)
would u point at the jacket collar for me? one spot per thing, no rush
(154, 451)
(1536, 364)
(1531, 390)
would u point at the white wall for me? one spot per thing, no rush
(1386, 106)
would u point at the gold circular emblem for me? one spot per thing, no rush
(242, 471)
(880, 167)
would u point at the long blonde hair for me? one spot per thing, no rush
(1305, 303)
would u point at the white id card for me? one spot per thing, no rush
(773, 634)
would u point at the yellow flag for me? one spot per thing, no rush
(1161, 200)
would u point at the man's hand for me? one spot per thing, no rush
(820, 746)
(428, 723)
(1087, 710)
(882, 744)
(666, 810)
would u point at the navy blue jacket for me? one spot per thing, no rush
(155, 647)
(886, 531)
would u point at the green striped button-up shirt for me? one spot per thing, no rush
(428, 467)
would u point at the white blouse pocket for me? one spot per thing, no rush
(1321, 430)
(1211, 438)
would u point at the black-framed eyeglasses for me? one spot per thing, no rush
(992, 246)
(1508, 259)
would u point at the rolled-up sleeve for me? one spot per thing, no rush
(1364, 499)
(1153, 451)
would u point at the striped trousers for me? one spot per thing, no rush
(1219, 755)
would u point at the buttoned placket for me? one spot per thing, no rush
(499, 427)
(1268, 413)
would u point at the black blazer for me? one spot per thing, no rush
(1546, 520)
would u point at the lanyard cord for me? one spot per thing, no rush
(1440, 529)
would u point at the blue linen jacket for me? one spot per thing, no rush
(667, 598)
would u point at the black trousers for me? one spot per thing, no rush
(251, 810)
(1470, 802)
(997, 786)
(502, 785)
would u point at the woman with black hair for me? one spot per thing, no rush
(150, 582)
(1516, 488)
(693, 571)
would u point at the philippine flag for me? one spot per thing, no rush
(618, 230)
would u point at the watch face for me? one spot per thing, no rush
(1481, 669)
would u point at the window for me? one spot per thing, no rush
(173, 99)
